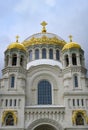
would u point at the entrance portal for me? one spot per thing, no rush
(44, 127)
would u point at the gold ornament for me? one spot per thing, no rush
(12, 112)
(43, 26)
(44, 40)
(76, 112)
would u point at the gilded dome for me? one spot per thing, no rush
(71, 45)
(16, 45)
(44, 38)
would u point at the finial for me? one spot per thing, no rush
(17, 37)
(43, 26)
(70, 37)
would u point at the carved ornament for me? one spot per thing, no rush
(76, 112)
(44, 40)
(7, 112)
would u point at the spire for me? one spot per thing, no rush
(70, 37)
(43, 27)
(17, 37)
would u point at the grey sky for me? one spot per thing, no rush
(23, 17)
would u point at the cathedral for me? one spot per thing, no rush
(44, 84)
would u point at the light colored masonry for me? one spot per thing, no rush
(44, 85)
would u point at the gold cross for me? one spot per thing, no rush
(70, 37)
(43, 26)
(17, 37)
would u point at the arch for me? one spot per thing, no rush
(75, 78)
(74, 59)
(44, 92)
(50, 53)
(82, 116)
(30, 55)
(12, 81)
(21, 60)
(66, 60)
(14, 59)
(81, 58)
(7, 60)
(37, 54)
(79, 119)
(57, 55)
(8, 116)
(44, 53)
(45, 121)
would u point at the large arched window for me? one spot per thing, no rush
(75, 81)
(14, 59)
(30, 55)
(44, 53)
(79, 119)
(37, 54)
(12, 81)
(66, 60)
(44, 92)
(51, 54)
(57, 55)
(9, 120)
(74, 60)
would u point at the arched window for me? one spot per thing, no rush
(51, 54)
(80, 59)
(44, 92)
(21, 60)
(74, 60)
(14, 59)
(7, 60)
(12, 81)
(57, 55)
(75, 81)
(9, 120)
(66, 60)
(30, 55)
(37, 54)
(44, 53)
(79, 119)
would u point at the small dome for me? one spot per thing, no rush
(71, 45)
(16, 45)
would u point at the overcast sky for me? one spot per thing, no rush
(23, 17)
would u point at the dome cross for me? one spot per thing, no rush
(44, 27)
(70, 37)
(17, 37)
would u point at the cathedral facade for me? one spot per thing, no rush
(44, 84)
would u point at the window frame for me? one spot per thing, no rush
(44, 93)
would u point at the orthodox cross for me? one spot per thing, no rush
(70, 37)
(43, 26)
(17, 37)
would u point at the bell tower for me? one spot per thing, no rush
(13, 85)
(74, 75)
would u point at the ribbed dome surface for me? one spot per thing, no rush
(44, 38)
(71, 45)
(16, 45)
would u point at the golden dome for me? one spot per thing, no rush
(71, 45)
(44, 38)
(16, 45)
